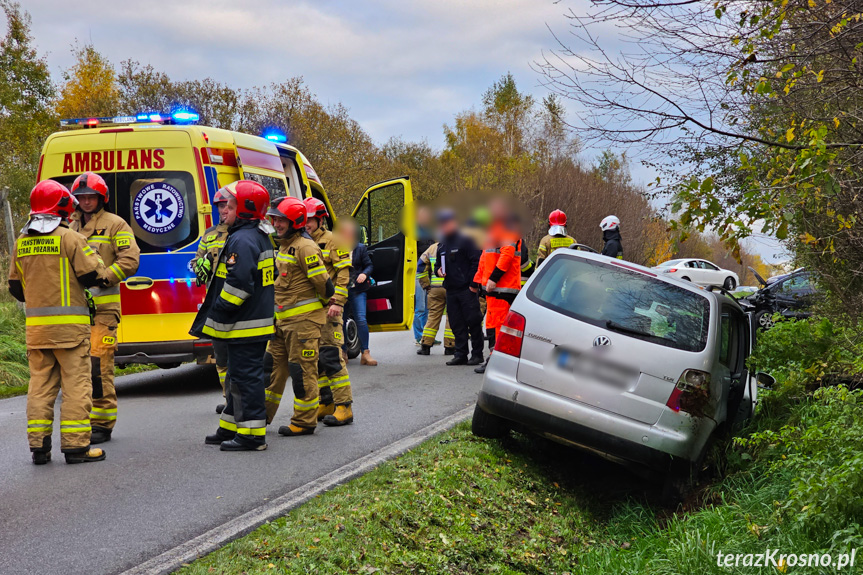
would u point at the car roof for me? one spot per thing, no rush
(718, 296)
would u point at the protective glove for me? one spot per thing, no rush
(203, 268)
(91, 306)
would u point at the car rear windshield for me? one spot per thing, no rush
(160, 206)
(629, 302)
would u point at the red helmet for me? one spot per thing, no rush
(52, 198)
(90, 183)
(225, 193)
(557, 218)
(252, 200)
(315, 208)
(292, 209)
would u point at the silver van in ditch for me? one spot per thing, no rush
(614, 358)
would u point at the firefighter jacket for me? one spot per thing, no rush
(501, 263)
(337, 260)
(426, 266)
(113, 240)
(239, 300)
(302, 284)
(550, 243)
(49, 273)
(212, 242)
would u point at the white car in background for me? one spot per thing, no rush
(700, 272)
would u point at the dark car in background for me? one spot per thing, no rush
(792, 295)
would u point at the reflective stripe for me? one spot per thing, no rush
(75, 426)
(55, 311)
(323, 381)
(100, 413)
(266, 255)
(98, 240)
(39, 425)
(106, 299)
(325, 253)
(240, 329)
(222, 376)
(229, 425)
(117, 271)
(423, 275)
(65, 298)
(430, 332)
(503, 290)
(234, 294)
(340, 382)
(256, 431)
(59, 320)
(527, 265)
(341, 291)
(273, 397)
(286, 258)
(298, 308)
(301, 405)
(316, 271)
(105, 291)
(342, 264)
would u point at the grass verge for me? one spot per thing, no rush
(14, 372)
(459, 504)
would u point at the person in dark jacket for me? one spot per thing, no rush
(610, 227)
(361, 281)
(238, 309)
(457, 262)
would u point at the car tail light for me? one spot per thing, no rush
(691, 394)
(672, 270)
(511, 335)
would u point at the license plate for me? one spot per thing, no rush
(590, 368)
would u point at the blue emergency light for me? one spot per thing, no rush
(183, 116)
(275, 135)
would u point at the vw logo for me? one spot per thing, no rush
(601, 341)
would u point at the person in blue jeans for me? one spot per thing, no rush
(425, 238)
(361, 281)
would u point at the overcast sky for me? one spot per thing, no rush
(403, 67)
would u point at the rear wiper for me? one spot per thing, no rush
(623, 329)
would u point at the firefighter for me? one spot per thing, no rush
(50, 269)
(333, 380)
(613, 247)
(436, 297)
(499, 271)
(457, 262)
(238, 310)
(302, 285)
(209, 249)
(556, 238)
(112, 238)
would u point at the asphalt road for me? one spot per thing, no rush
(161, 486)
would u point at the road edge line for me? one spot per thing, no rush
(174, 558)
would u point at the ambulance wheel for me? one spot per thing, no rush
(352, 338)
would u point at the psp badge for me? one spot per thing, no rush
(158, 208)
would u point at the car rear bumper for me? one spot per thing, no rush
(569, 421)
(164, 353)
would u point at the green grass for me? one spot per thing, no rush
(14, 372)
(459, 504)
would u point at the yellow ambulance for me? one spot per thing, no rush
(162, 171)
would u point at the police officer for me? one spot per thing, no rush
(209, 249)
(50, 268)
(333, 380)
(436, 297)
(112, 238)
(613, 248)
(458, 259)
(302, 285)
(557, 237)
(238, 309)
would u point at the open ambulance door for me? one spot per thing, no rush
(386, 224)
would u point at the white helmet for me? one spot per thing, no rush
(609, 223)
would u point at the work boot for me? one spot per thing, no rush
(86, 456)
(220, 408)
(234, 445)
(475, 360)
(344, 415)
(424, 350)
(449, 351)
(100, 435)
(41, 457)
(325, 410)
(295, 431)
(457, 360)
(220, 436)
(367, 359)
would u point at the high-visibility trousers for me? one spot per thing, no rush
(53, 370)
(103, 343)
(294, 349)
(333, 379)
(496, 312)
(436, 309)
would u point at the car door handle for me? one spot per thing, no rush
(139, 283)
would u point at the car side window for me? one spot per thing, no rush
(380, 212)
(709, 266)
(731, 340)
